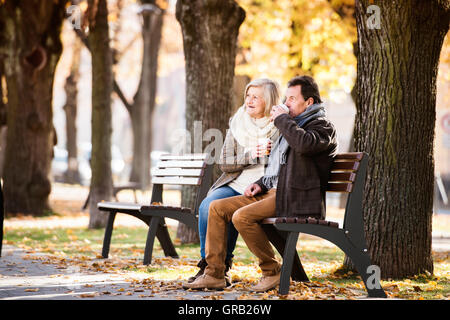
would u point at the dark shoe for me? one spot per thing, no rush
(228, 265)
(202, 265)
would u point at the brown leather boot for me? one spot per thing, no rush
(266, 283)
(205, 281)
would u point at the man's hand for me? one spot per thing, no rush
(276, 111)
(252, 190)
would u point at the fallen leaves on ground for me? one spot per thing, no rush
(165, 276)
(243, 277)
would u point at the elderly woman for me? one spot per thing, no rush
(247, 143)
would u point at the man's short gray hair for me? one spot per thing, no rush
(271, 91)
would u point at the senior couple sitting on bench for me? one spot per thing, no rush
(291, 181)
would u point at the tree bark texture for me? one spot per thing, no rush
(3, 113)
(141, 110)
(210, 29)
(72, 174)
(2, 95)
(102, 84)
(396, 98)
(31, 47)
(239, 84)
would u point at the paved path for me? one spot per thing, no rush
(28, 276)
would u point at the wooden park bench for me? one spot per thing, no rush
(171, 170)
(348, 174)
(133, 186)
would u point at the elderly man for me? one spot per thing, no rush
(294, 185)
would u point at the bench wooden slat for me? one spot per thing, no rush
(107, 206)
(178, 172)
(177, 180)
(180, 164)
(333, 224)
(342, 176)
(340, 187)
(300, 221)
(197, 156)
(269, 221)
(350, 155)
(345, 165)
(163, 207)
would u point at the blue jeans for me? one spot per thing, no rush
(203, 211)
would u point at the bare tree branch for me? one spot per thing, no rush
(116, 87)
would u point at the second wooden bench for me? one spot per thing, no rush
(171, 170)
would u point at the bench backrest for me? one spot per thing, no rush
(348, 174)
(190, 169)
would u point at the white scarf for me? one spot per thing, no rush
(247, 130)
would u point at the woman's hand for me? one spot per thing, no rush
(252, 190)
(261, 150)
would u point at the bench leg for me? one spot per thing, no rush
(278, 239)
(86, 202)
(361, 261)
(162, 233)
(154, 224)
(108, 233)
(288, 257)
(2, 217)
(1, 227)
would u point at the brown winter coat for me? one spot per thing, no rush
(302, 181)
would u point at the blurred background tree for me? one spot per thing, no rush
(210, 55)
(30, 48)
(102, 86)
(281, 39)
(142, 108)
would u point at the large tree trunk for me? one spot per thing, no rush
(395, 120)
(210, 29)
(31, 47)
(102, 83)
(72, 174)
(239, 84)
(144, 100)
(3, 128)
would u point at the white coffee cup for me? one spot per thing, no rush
(264, 142)
(284, 107)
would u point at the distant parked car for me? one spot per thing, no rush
(60, 163)
(117, 162)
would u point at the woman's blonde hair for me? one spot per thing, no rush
(271, 91)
